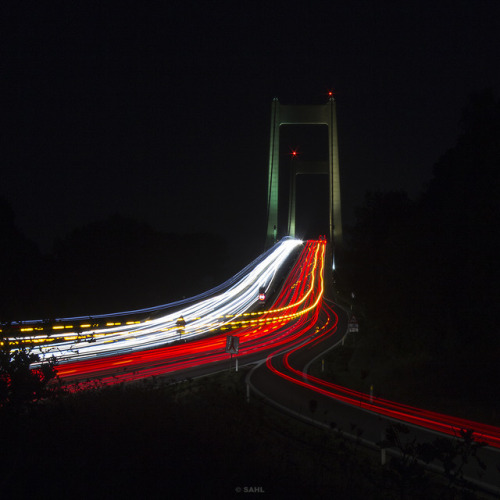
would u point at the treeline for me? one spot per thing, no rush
(201, 439)
(111, 265)
(425, 272)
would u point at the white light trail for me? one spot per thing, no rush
(200, 317)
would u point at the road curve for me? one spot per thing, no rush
(283, 380)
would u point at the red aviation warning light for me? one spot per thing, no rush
(294, 154)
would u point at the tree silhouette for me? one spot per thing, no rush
(426, 272)
(21, 386)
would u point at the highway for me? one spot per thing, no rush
(284, 324)
(280, 342)
(204, 316)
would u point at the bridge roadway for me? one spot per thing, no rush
(293, 309)
(221, 309)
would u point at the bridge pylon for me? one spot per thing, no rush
(292, 114)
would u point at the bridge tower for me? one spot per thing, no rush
(291, 114)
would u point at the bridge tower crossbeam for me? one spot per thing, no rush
(322, 114)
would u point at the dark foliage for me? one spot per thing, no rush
(406, 472)
(426, 272)
(106, 266)
(202, 439)
(20, 386)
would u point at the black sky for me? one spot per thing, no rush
(162, 112)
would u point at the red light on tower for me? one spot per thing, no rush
(294, 154)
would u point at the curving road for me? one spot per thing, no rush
(284, 324)
(282, 341)
(283, 380)
(200, 318)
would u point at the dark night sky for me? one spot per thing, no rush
(163, 112)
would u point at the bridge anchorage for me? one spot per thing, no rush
(291, 114)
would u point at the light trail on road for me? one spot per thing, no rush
(294, 309)
(200, 318)
(280, 363)
(299, 319)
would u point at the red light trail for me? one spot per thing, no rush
(299, 319)
(424, 418)
(286, 321)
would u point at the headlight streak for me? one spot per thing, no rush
(290, 325)
(273, 330)
(201, 317)
(218, 289)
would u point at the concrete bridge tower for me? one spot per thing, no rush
(322, 114)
